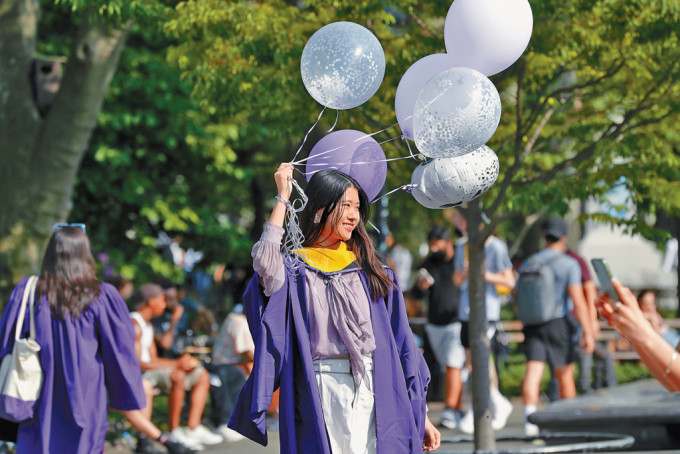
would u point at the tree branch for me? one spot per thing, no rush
(519, 160)
(613, 130)
(570, 89)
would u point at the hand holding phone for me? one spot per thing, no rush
(604, 275)
(426, 276)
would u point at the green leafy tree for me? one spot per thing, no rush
(41, 154)
(593, 99)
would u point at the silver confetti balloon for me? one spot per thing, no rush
(343, 65)
(456, 112)
(448, 182)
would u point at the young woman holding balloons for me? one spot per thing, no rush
(331, 332)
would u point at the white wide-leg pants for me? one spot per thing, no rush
(349, 413)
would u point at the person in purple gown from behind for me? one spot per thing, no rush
(87, 352)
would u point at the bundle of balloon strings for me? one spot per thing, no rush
(293, 249)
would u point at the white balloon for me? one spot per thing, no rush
(342, 65)
(456, 112)
(410, 85)
(418, 190)
(487, 35)
(448, 182)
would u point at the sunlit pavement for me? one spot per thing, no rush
(514, 427)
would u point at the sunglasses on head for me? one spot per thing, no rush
(80, 225)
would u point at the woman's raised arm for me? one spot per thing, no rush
(283, 176)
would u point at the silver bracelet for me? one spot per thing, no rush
(281, 199)
(673, 358)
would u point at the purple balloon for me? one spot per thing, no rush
(354, 153)
(410, 85)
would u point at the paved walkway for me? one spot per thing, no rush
(514, 427)
(457, 440)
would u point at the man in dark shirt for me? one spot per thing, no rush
(435, 280)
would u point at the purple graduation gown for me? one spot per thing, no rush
(84, 361)
(280, 329)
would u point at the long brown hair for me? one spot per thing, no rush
(67, 275)
(326, 190)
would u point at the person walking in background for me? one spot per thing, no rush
(331, 331)
(175, 376)
(400, 260)
(87, 353)
(603, 373)
(549, 341)
(497, 272)
(435, 280)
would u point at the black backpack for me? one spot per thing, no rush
(536, 297)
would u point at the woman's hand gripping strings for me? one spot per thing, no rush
(283, 177)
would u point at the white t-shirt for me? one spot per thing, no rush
(233, 339)
(496, 260)
(147, 336)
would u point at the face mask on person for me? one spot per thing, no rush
(439, 256)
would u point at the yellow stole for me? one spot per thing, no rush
(328, 260)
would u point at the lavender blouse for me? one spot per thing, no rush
(326, 341)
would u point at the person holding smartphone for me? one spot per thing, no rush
(435, 280)
(626, 317)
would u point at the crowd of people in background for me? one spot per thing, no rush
(563, 339)
(162, 321)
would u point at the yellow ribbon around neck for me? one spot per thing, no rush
(328, 260)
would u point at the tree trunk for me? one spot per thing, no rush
(40, 171)
(479, 343)
(19, 121)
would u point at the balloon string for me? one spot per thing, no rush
(308, 132)
(337, 165)
(342, 146)
(382, 130)
(293, 249)
(407, 187)
(327, 164)
(337, 116)
(405, 139)
(390, 140)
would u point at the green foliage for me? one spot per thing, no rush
(513, 367)
(149, 170)
(243, 58)
(208, 99)
(593, 99)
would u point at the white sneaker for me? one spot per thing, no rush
(467, 423)
(179, 435)
(531, 430)
(201, 434)
(449, 418)
(228, 434)
(501, 413)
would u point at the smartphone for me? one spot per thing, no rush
(422, 272)
(604, 275)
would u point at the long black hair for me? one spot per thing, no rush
(67, 275)
(326, 190)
